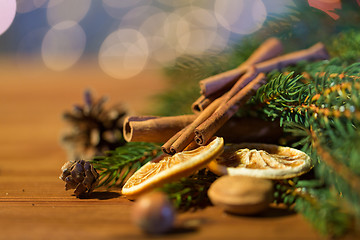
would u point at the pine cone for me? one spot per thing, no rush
(94, 128)
(81, 176)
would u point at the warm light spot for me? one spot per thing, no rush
(7, 14)
(202, 33)
(326, 6)
(117, 8)
(194, 30)
(158, 47)
(63, 45)
(24, 6)
(124, 53)
(135, 17)
(121, 4)
(175, 4)
(64, 10)
(242, 17)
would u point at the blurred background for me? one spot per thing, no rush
(125, 37)
(122, 46)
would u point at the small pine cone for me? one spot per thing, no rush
(81, 176)
(94, 128)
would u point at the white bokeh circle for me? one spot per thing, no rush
(24, 6)
(7, 14)
(241, 17)
(64, 10)
(124, 53)
(63, 45)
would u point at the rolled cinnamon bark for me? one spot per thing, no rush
(154, 129)
(212, 124)
(166, 147)
(202, 102)
(240, 84)
(315, 52)
(223, 80)
(269, 49)
(187, 135)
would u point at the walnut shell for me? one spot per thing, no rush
(241, 194)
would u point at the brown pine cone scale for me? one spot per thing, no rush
(81, 176)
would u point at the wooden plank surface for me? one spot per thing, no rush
(33, 203)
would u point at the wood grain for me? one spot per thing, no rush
(33, 202)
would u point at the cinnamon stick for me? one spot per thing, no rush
(212, 124)
(202, 102)
(240, 84)
(167, 145)
(267, 50)
(315, 52)
(154, 129)
(183, 139)
(188, 134)
(222, 80)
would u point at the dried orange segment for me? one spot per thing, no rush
(168, 168)
(261, 160)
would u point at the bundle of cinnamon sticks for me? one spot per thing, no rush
(221, 97)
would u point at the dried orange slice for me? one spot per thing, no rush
(261, 160)
(169, 168)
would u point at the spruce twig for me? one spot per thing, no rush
(321, 206)
(119, 164)
(341, 169)
(190, 193)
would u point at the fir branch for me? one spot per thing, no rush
(118, 165)
(286, 191)
(326, 211)
(190, 193)
(340, 169)
(320, 205)
(280, 97)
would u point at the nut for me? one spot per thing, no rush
(153, 213)
(241, 195)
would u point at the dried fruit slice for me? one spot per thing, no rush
(168, 168)
(261, 160)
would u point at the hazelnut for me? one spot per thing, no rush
(241, 195)
(153, 213)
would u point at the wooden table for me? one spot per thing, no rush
(33, 202)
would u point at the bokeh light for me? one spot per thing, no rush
(64, 10)
(241, 17)
(24, 6)
(63, 45)
(176, 4)
(7, 14)
(135, 17)
(121, 4)
(198, 33)
(159, 49)
(124, 53)
(148, 34)
(116, 8)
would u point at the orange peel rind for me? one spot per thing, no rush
(167, 168)
(261, 160)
